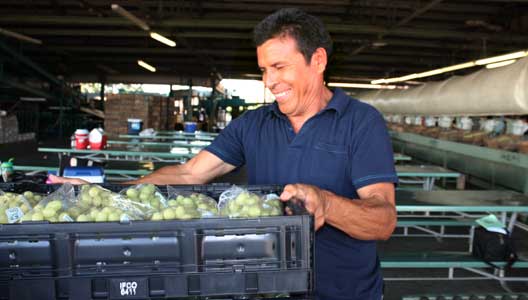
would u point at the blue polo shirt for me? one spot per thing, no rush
(344, 147)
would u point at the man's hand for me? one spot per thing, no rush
(57, 179)
(313, 199)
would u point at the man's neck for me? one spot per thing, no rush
(318, 105)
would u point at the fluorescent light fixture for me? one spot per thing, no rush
(396, 79)
(250, 75)
(146, 66)
(500, 64)
(162, 39)
(365, 86)
(495, 59)
(20, 36)
(486, 61)
(33, 99)
(125, 14)
(458, 67)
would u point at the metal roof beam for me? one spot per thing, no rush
(248, 25)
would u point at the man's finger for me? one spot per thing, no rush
(290, 191)
(293, 191)
(55, 179)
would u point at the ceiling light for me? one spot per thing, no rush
(33, 99)
(366, 86)
(124, 13)
(19, 36)
(146, 66)
(484, 61)
(495, 59)
(458, 67)
(250, 75)
(162, 39)
(500, 64)
(378, 43)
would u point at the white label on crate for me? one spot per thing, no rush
(66, 218)
(14, 214)
(128, 288)
(124, 218)
(271, 196)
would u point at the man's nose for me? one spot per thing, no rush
(270, 79)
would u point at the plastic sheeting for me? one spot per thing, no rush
(500, 91)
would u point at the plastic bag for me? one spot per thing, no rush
(272, 206)
(32, 198)
(187, 205)
(13, 207)
(237, 202)
(492, 247)
(145, 199)
(97, 204)
(54, 207)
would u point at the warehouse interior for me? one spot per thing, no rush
(449, 76)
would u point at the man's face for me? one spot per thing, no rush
(286, 74)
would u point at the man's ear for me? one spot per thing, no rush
(319, 59)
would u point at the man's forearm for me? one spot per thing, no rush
(175, 174)
(366, 219)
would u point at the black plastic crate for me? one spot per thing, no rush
(214, 190)
(215, 257)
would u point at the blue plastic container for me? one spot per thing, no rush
(189, 126)
(90, 174)
(135, 126)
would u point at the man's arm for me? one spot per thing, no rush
(202, 168)
(372, 217)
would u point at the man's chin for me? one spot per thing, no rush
(283, 109)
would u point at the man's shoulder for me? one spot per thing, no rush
(360, 109)
(351, 107)
(256, 114)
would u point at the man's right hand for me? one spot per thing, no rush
(56, 179)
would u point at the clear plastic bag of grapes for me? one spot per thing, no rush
(13, 207)
(146, 198)
(272, 206)
(237, 202)
(32, 198)
(97, 204)
(55, 207)
(185, 205)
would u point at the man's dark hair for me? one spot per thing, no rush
(308, 31)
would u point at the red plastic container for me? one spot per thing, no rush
(98, 145)
(81, 139)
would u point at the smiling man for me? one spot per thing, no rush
(330, 151)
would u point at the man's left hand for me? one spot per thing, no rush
(313, 198)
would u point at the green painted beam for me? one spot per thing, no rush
(494, 166)
(116, 152)
(29, 63)
(26, 88)
(484, 153)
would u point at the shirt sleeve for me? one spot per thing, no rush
(372, 156)
(228, 144)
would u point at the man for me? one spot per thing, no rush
(332, 152)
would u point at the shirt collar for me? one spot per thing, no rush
(338, 102)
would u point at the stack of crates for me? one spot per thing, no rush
(213, 258)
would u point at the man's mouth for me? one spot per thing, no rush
(282, 95)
